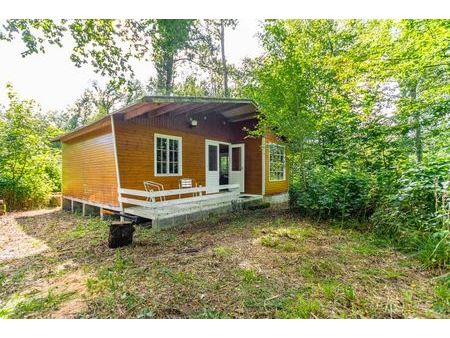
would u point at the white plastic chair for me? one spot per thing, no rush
(186, 183)
(151, 186)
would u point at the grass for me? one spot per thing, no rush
(222, 251)
(300, 307)
(34, 305)
(258, 264)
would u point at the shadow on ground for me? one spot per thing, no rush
(257, 264)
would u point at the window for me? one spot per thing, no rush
(212, 156)
(168, 155)
(236, 159)
(277, 162)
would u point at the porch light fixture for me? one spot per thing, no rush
(193, 123)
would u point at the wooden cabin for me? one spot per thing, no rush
(163, 140)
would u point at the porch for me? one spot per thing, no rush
(177, 211)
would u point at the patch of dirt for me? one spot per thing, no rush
(74, 282)
(41, 272)
(15, 243)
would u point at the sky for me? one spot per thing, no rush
(53, 81)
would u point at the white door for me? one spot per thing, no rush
(237, 168)
(212, 166)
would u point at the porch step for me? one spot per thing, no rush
(256, 205)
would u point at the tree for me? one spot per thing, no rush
(209, 54)
(98, 101)
(110, 45)
(100, 42)
(364, 108)
(169, 38)
(414, 55)
(29, 164)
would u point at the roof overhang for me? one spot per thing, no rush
(234, 110)
(153, 106)
(96, 125)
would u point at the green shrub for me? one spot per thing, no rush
(29, 163)
(331, 193)
(415, 214)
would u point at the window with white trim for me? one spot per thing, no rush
(277, 162)
(167, 155)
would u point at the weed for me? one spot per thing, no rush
(319, 270)
(248, 276)
(146, 313)
(87, 228)
(329, 289)
(349, 293)
(222, 251)
(177, 277)
(39, 305)
(300, 307)
(442, 296)
(270, 241)
(286, 239)
(306, 270)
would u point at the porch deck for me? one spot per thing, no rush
(177, 214)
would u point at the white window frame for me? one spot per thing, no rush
(284, 161)
(180, 154)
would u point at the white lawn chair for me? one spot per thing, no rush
(186, 183)
(151, 186)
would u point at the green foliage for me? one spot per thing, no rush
(222, 251)
(169, 37)
(97, 101)
(364, 106)
(207, 313)
(248, 276)
(442, 295)
(416, 212)
(97, 42)
(331, 193)
(29, 163)
(110, 47)
(35, 305)
(300, 307)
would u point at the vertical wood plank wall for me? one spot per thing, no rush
(273, 187)
(88, 168)
(88, 161)
(135, 148)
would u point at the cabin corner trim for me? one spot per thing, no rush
(263, 165)
(116, 158)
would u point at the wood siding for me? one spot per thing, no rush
(88, 168)
(135, 148)
(273, 187)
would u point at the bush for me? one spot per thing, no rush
(331, 193)
(29, 163)
(411, 211)
(415, 214)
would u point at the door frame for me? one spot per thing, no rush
(242, 161)
(230, 145)
(215, 143)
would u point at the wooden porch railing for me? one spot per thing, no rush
(152, 203)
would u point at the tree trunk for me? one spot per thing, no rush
(168, 65)
(224, 61)
(417, 125)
